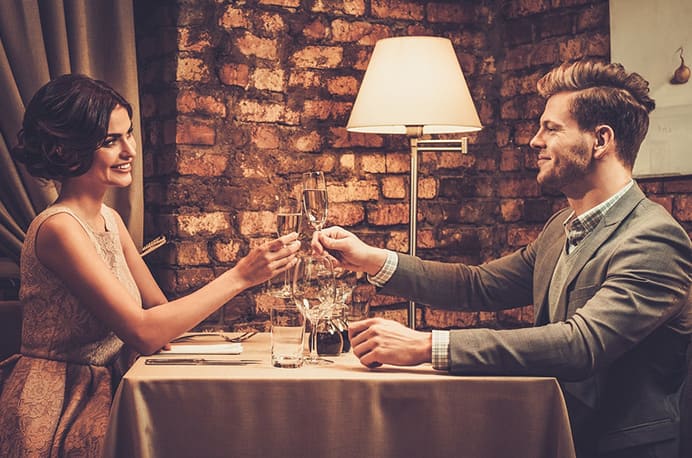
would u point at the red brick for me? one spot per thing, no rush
(388, 214)
(372, 163)
(394, 187)
(234, 18)
(266, 137)
(346, 214)
(397, 9)
(344, 139)
(343, 85)
(511, 160)
(526, 7)
(256, 223)
(191, 253)
(325, 109)
(348, 7)
(521, 236)
(682, 208)
(518, 187)
(269, 79)
(202, 223)
(427, 188)
(398, 163)
(271, 24)
(235, 75)
(284, 3)
(193, 278)
(192, 132)
(594, 17)
(308, 142)
(318, 57)
(353, 191)
(251, 45)
(362, 33)
(317, 29)
(252, 110)
(305, 79)
(511, 209)
(201, 163)
(191, 102)
(192, 69)
(193, 43)
(451, 12)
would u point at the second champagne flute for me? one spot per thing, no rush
(315, 201)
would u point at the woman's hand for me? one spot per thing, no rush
(267, 260)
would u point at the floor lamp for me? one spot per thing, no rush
(414, 86)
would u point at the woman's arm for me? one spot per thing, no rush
(63, 246)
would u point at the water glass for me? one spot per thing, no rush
(287, 333)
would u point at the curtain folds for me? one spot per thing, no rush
(39, 40)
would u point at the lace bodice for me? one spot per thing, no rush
(55, 324)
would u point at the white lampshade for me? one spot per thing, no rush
(413, 81)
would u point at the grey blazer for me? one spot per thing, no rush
(616, 338)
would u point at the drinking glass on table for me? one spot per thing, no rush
(314, 293)
(315, 200)
(358, 308)
(287, 333)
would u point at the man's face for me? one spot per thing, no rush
(564, 150)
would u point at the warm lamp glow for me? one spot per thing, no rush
(414, 86)
(413, 81)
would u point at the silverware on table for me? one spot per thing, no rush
(199, 362)
(241, 338)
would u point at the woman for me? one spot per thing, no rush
(85, 291)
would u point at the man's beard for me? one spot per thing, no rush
(567, 169)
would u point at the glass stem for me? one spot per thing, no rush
(313, 336)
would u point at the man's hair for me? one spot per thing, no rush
(65, 122)
(605, 94)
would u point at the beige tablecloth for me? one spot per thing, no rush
(341, 410)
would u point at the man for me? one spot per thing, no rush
(609, 279)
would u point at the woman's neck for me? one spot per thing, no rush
(86, 204)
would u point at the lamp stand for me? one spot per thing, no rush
(418, 145)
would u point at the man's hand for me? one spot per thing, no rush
(348, 251)
(376, 341)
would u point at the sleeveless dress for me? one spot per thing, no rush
(55, 395)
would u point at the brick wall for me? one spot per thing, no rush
(239, 98)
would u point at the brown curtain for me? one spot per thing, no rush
(39, 40)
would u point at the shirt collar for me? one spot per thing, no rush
(577, 228)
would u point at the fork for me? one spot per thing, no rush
(244, 336)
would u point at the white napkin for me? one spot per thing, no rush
(209, 349)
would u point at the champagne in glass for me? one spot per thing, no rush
(315, 200)
(288, 220)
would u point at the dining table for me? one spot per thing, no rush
(199, 406)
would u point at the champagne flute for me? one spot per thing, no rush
(288, 219)
(314, 293)
(315, 201)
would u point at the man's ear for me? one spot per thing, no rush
(604, 140)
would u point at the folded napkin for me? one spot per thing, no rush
(228, 348)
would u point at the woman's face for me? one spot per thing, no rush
(112, 165)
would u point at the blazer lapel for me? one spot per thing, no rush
(603, 231)
(543, 273)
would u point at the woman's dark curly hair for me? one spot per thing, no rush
(65, 122)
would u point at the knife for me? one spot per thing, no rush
(200, 362)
